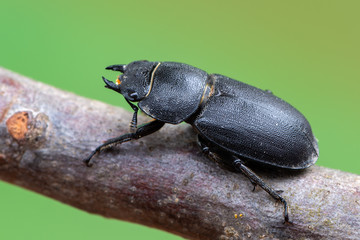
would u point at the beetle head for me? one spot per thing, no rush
(134, 83)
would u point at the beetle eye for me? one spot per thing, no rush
(134, 95)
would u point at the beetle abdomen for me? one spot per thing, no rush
(255, 124)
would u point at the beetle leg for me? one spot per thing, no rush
(239, 165)
(209, 153)
(133, 123)
(142, 131)
(205, 149)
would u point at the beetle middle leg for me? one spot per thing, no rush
(142, 131)
(207, 151)
(211, 154)
(239, 165)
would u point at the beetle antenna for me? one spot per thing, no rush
(120, 68)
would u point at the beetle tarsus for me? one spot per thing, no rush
(88, 161)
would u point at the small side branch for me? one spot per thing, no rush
(161, 180)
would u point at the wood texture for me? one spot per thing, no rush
(162, 180)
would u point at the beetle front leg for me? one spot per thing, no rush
(133, 123)
(239, 165)
(142, 131)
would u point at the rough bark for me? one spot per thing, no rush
(162, 180)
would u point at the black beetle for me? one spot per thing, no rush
(235, 122)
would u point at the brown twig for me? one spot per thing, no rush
(162, 180)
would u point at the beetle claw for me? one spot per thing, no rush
(120, 68)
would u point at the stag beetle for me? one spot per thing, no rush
(236, 123)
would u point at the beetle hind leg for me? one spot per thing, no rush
(257, 181)
(222, 158)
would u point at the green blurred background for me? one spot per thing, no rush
(306, 52)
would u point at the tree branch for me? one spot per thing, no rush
(162, 180)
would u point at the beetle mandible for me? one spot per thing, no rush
(235, 122)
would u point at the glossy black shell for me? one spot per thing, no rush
(255, 124)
